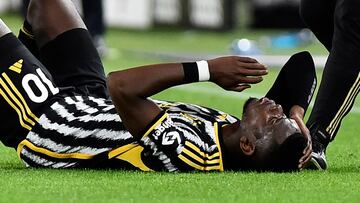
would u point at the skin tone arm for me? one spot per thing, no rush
(297, 113)
(131, 88)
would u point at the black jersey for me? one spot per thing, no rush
(86, 131)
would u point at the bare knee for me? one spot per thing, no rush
(52, 18)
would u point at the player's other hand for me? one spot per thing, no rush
(297, 113)
(236, 73)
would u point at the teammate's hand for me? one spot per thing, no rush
(297, 113)
(236, 73)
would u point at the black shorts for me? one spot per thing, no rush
(70, 66)
(74, 62)
(25, 89)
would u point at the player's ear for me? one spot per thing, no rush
(247, 146)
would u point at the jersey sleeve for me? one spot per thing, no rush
(183, 144)
(295, 84)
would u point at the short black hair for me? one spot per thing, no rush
(281, 158)
(277, 158)
(289, 153)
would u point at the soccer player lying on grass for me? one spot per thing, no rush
(185, 136)
(59, 113)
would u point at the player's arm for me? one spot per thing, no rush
(130, 89)
(293, 89)
(297, 113)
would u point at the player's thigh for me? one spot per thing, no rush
(318, 15)
(346, 41)
(73, 61)
(51, 18)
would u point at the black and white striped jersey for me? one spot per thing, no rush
(83, 131)
(186, 137)
(51, 127)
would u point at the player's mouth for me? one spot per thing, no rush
(266, 100)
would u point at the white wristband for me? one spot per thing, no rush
(203, 69)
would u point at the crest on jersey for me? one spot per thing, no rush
(170, 137)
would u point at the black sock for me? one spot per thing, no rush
(26, 36)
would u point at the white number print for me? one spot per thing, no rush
(170, 137)
(40, 82)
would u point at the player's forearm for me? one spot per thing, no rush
(145, 81)
(297, 111)
(129, 90)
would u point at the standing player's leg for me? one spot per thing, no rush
(318, 15)
(340, 82)
(94, 20)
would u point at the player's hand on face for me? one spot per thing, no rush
(236, 73)
(297, 113)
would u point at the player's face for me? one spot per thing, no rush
(266, 118)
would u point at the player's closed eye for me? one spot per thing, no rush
(275, 119)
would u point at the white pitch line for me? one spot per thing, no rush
(270, 60)
(241, 95)
(280, 60)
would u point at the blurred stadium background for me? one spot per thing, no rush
(283, 30)
(209, 14)
(151, 31)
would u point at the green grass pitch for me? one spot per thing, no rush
(340, 183)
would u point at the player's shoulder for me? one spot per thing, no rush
(196, 111)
